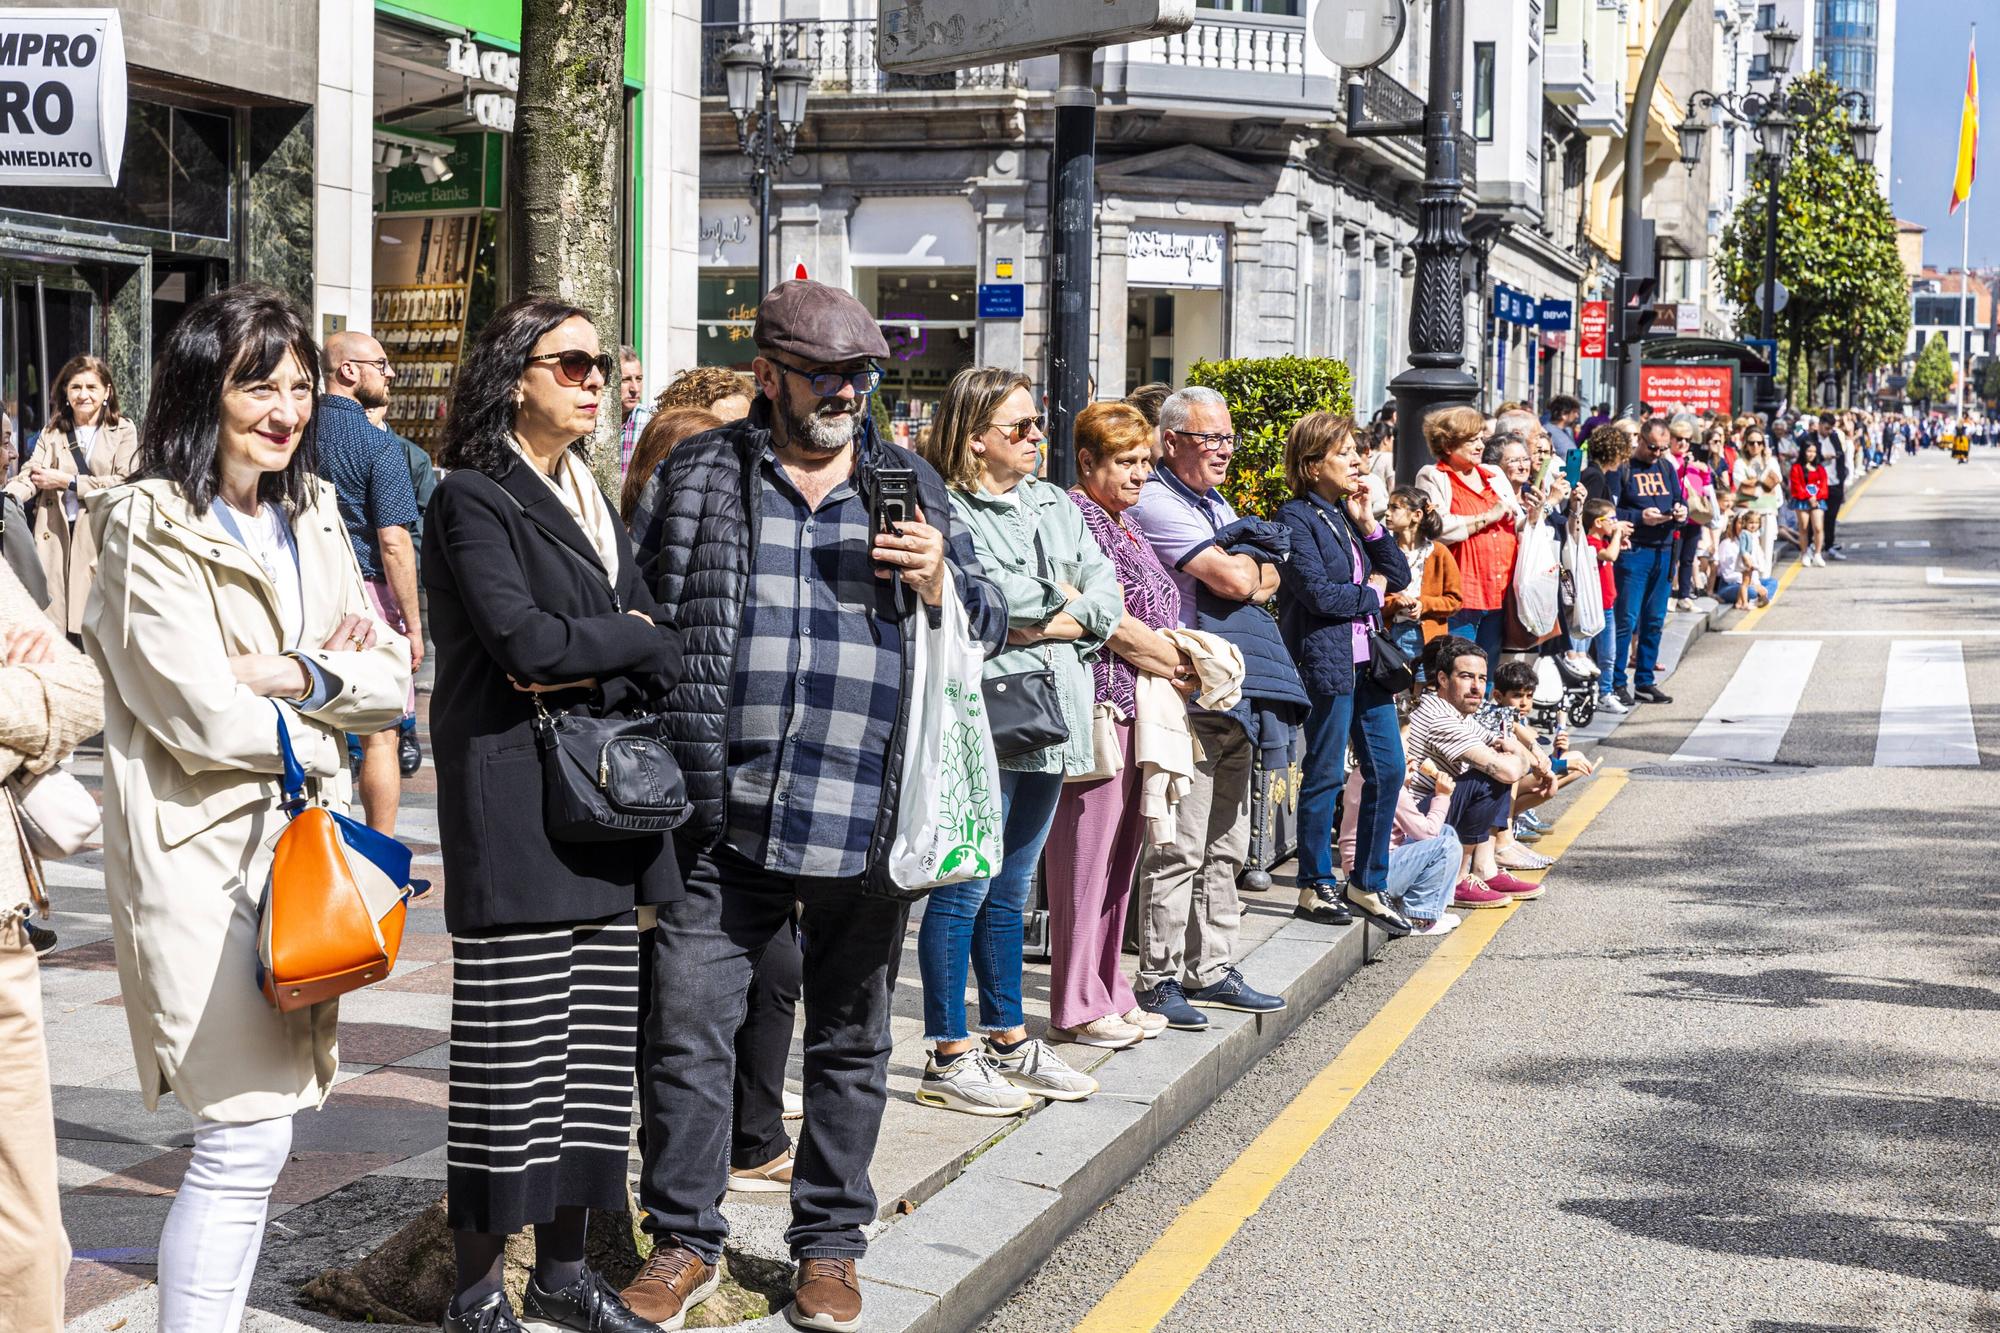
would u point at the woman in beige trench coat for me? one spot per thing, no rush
(56, 492)
(228, 604)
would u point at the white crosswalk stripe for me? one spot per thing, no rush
(1753, 712)
(1926, 708)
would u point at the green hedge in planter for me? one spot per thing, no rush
(1266, 396)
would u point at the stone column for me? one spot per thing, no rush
(1001, 203)
(277, 208)
(796, 222)
(1245, 296)
(1112, 300)
(344, 173)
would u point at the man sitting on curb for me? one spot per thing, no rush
(1444, 731)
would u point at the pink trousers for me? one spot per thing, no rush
(1090, 861)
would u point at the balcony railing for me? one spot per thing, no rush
(1245, 46)
(1385, 98)
(842, 55)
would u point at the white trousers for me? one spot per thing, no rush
(208, 1251)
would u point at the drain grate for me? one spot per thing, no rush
(1709, 772)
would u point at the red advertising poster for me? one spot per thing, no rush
(1593, 330)
(1688, 388)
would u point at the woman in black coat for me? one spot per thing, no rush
(534, 596)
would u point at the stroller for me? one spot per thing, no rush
(1563, 690)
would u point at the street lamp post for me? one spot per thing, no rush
(1774, 118)
(763, 82)
(1437, 376)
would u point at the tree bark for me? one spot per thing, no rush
(566, 194)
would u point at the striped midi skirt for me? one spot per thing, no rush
(544, 1035)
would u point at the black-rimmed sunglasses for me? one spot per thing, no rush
(574, 366)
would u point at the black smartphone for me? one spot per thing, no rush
(895, 501)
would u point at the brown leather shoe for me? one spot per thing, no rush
(826, 1295)
(673, 1281)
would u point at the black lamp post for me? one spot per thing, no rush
(1437, 376)
(773, 88)
(1774, 118)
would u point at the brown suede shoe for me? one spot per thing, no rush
(826, 1295)
(673, 1281)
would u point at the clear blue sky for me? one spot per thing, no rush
(1931, 37)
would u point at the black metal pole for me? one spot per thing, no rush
(1437, 376)
(1071, 277)
(1767, 316)
(766, 149)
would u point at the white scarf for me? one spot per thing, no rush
(580, 496)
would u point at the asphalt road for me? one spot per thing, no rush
(1737, 1070)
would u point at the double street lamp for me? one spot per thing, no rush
(765, 84)
(1775, 118)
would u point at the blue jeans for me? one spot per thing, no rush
(1367, 720)
(979, 921)
(1486, 628)
(1645, 578)
(1726, 592)
(1604, 650)
(1424, 874)
(1409, 636)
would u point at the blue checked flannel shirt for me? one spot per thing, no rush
(815, 693)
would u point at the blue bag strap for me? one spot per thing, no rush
(295, 772)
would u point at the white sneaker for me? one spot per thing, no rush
(795, 1106)
(1110, 1032)
(972, 1084)
(1146, 1021)
(1611, 703)
(1444, 925)
(1033, 1067)
(1584, 664)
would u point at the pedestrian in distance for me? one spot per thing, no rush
(1835, 451)
(759, 542)
(229, 611)
(423, 482)
(1094, 847)
(1649, 499)
(1481, 517)
(710, 388)
(1343, 568)
(1063, 606)
(51, 698)
(87, 447)
(633, 414)
(1809, 487)
(537, 606)
(371, 478)
(667, 428)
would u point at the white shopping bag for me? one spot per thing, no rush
(1537, 580)
(948, 819)
(1586, 611)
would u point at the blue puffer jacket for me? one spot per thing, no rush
(1320, 597)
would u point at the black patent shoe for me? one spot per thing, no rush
(409, 754)
(492, 1315)
(587, 1305)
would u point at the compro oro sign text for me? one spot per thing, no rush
(62, 97)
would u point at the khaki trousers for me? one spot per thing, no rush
(1188, 908)
(34, 1251)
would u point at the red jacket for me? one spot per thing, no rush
(1808, 485)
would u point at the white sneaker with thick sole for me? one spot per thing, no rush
(1109, 1032)
(1033, 1067)
(1444, 925)
(972, 1084)
(795, 1106)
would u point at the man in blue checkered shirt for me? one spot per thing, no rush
(788, 724)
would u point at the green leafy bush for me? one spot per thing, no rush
(1266, 396)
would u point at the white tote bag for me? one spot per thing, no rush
(1538, 580)
(1586, 612)
(948, 819)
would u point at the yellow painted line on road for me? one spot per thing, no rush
(1148, 1292)
(1755, 614)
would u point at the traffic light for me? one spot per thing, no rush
(1636, 312)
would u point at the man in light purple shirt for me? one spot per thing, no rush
(1188, 909)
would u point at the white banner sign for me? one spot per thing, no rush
(1687, 318)
(1159, 255)
(62, 97)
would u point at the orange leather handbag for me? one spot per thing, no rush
(333, 912)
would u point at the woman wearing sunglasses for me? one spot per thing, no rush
(535, 599)
(1063, 605)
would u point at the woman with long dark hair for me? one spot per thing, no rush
(87, 447)
(229, 610)
(535, 600)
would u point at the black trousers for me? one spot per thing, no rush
(763, 1044)
(1836, 496)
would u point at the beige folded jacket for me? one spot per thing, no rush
(1163, 747)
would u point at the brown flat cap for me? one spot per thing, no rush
(814, 322)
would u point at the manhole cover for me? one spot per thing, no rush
(1707, 772)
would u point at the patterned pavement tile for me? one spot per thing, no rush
(95, 957)
(382, 1043)
(91, 1283)
(82, 1161)
(432, 979)
(314, 1175)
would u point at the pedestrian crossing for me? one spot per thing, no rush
(1784, 700)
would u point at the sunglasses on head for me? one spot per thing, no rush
(574, 366)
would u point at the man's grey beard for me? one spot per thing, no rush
(823, 433)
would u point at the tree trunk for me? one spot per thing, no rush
(566, 192)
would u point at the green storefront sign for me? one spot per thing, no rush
(498, 23)
(478, 167)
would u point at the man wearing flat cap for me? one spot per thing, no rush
(787, 724)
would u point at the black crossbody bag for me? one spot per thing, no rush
(1022, 708)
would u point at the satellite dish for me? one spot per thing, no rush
(1359, 34)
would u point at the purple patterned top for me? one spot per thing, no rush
(1151, 597)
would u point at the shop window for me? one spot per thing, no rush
(175, 177)
(726, 309)
(928, 318)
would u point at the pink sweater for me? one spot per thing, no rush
(1412, 824)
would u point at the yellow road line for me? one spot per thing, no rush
(1755, 614)
(1148, 1292)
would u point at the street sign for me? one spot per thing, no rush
(62, 97)
(1359, 34)
(1687, 318)
(1688, 388)
(1593, 330)
(932, 36)
(1002, 300)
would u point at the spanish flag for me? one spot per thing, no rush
(1968, 133)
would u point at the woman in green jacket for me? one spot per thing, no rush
(1064, 604)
